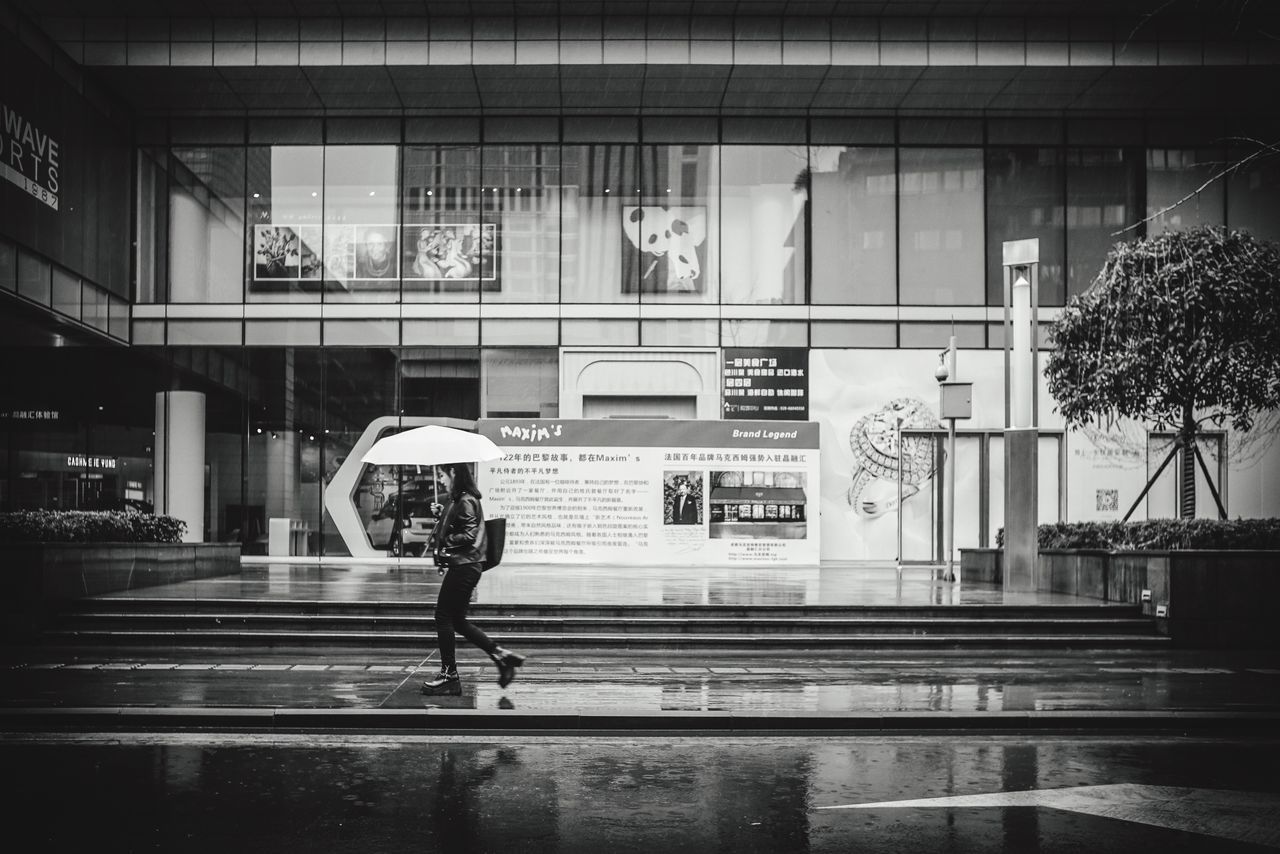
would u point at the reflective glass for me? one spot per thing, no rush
(521, 383)
(445, 258)
(673, 231)
(1026, 199)
(1103, 193)
(518, 251)
(940, 226)
(362, 255)
(762, 224)
(599, 182)
(855, 245)
(1181, 188)
(1253, 196)
(285, 257)
(206, 224)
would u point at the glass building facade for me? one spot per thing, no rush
(314, 270)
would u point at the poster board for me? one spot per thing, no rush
(655, 493)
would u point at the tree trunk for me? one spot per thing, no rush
(1187, 471)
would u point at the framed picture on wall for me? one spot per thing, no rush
(276, 252)
(452, 252)
(361, 253)
(664, 249)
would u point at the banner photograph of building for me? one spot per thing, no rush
(693, 271)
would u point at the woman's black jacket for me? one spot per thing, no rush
(459, 534)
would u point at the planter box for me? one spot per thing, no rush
(982, 565)
(43, 574)
(1211, 598)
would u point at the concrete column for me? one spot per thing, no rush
(1020, 511)
(179, 459)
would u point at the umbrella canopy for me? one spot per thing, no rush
(432, 445)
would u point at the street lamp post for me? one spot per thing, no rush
(1021, 427)
(955, 401)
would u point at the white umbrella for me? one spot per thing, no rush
(432, 445)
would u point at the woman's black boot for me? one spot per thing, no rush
(445, 683)
(507, 662)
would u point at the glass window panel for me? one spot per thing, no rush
(762, 223)
(1102, 198)
(855, 240)
(152, 226)
(971, 336)
(678, 333)
(147, 333)
(118, 320)
(206, 225)
(34, 278)
(1025, 199)
(576, 332)
(286, 200)
(277, 332)
(519, 250)
(1175, 177)
(1253, 196)
(440, 381)
(361, 238)
(453, 332)
(66, 293)
(672, 231)
(281, 473)
(542, 331)
(361, 332)
(521, 383)
(444, 258)
(8, 266)
(93, 309)
(940, 228)
(194, 332)
(765, 333)
(599, 181)
(852, 333)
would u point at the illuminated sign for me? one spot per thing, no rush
(83, 462)
(29, 157)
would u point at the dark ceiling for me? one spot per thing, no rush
(273, 77)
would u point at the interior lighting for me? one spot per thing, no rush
(259, 430)
(373, 192)
(258, 195)
(606, 189)
(430, 193)
(313, 194)
(312, 438)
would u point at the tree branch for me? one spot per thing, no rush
(1266, 148)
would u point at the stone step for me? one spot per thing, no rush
(550, 640)
(501, 624)
(482, 610)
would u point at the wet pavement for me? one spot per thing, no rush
(559, 689)
(570, 689)
(257, 793)
(415, 580)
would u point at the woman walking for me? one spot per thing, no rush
(459, 548)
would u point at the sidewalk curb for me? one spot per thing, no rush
(454, 721)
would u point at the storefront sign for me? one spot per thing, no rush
(769, 383)
(32, 415)
(77, 461)
(29, 157)
(643, 492)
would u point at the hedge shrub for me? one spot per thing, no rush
(1160, 535)
(79, 526)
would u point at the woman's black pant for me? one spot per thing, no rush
(451, 613)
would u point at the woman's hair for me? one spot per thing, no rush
(463, 481)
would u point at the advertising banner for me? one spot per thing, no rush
(766, 382)
(646, 492)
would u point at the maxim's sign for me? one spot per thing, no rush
(29, 157)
